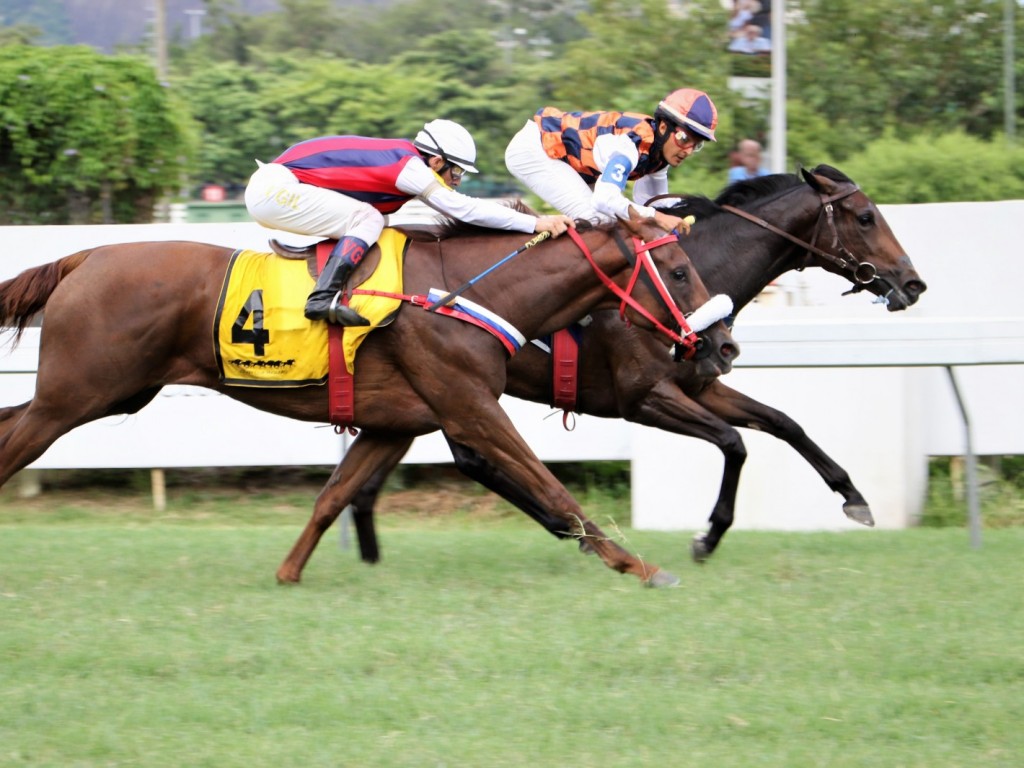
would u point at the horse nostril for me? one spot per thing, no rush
(728, 351)
(914, 287)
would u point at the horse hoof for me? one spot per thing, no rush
(662, 579)
(860, 513)
(283, 577)
(699, 550)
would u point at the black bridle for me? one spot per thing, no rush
(862, 273)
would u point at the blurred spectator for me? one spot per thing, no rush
(763, 19)
(751, 40)
(743, 12)
(748, 157)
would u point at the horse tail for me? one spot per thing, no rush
(24, 296)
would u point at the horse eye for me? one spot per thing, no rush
(680, 275)
(866, 219)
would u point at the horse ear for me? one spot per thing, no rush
(633, 223)
(811, 179)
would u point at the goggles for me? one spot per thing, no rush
(682, 138)
(455, 171)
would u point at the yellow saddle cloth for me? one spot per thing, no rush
(262, 338)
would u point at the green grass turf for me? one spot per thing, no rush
(137, 639)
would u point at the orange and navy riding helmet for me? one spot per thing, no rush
(691, 110)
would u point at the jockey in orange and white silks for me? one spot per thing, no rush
(342, 187)
(580, 162)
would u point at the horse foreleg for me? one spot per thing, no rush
(742, 411)
(476, 467)
(667, 407)
(367, 454)
(362, 509)
(484, 427)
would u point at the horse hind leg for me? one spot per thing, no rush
(27, 430)
(365, 457)
(9, 416)
(363, 504)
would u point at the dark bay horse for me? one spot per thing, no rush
(778, 223)
(122, 321)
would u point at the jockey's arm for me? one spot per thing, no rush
(417, 179)
(616, 157)
(651, 185)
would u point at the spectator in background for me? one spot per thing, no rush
(743, 12)
(748, 156)
(751, 40)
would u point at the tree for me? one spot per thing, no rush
(48, 17)
(931, 169)
(85, 137)
(313, 26)
(637, 52)
(867, 66)
(236, 118)
(857, 71)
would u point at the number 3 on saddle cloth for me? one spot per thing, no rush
(263, 339)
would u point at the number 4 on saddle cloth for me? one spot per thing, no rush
(263, 339)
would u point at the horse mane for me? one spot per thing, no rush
(760, 187)
(742, 193)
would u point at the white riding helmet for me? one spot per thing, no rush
(450, 141)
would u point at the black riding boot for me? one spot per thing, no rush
(324, 303)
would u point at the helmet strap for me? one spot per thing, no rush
(660, 137)
(440, 152)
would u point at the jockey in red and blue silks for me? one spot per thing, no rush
(342, 186)
(580, 162)
(362, 168)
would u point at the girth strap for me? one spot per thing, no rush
(340, 384)
(564, 369)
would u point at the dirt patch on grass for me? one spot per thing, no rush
(289, 492)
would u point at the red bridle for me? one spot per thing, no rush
(686, 337)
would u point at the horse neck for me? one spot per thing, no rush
(740, 258)
(571, 288)
(547, 287)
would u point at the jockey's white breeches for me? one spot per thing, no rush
(553, 181)
(277, 199)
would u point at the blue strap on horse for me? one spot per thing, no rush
(466, 286)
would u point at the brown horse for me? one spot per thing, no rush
(821, 219)
(123, 321)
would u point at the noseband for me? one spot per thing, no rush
(861, 272)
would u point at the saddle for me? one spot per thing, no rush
(564, 344)
(418, 232)
(342, 343)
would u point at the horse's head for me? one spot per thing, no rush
(684, 300)
(853, 239)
